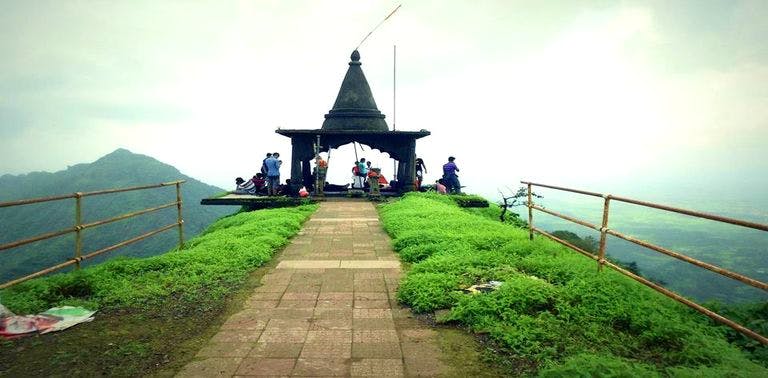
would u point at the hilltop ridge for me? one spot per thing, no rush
(120, 168)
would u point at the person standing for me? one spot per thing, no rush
(450, 177)
(421, 169)
(273, 164)
(373, 181)
(356, 176)
(264, 164)
(363, 168)
(321, 169)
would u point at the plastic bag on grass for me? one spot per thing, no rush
(55, 319)
(482, 288)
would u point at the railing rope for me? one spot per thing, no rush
(530, 213)
(79, 226)
(605, 231)
(179, 218)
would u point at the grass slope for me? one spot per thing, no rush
(554, 315)
(148, 306)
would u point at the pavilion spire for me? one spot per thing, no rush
(355, 108)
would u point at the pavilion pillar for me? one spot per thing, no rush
(306, 174)
(409, 168)
(401, 176)
(297, 148)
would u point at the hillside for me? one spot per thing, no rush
(120, 168)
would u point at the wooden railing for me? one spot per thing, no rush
(79, 226)
(605, 231)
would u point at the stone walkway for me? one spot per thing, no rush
(327, 309)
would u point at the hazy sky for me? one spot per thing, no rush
(602, 94)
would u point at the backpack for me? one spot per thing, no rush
(356, 170)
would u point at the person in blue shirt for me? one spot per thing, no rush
(450, 177)
(273, 164)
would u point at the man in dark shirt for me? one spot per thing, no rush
(449, 176)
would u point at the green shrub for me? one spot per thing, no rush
(428, 291)
(211, 264)
(554, 309)
(590, 365)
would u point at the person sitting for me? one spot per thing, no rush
(335, 188)
(383, 183)
(259, 183)
(244, 187)
(286, 190)
(440, 187)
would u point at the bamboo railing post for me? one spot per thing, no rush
(530, 213)
(179, 218)
(78, 228)
(603, 231)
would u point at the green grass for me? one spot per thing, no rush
(554, 315)
(151, 310)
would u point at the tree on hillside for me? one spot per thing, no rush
(519, 198)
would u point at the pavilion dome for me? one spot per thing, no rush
(355, 108)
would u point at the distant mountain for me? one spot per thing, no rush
(118, 169)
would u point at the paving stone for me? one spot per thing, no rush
(219, 349)
(260, 304)
(372, 313)
(304, 287)
(287, 313)
(211, 367)
(375, 336)
(260, 366)
(368, 275)
(299, 296)
(377, 367)
(271, 289)
(338, 286)
(325, 295)
(372, 304)
(329, 337)
(244, 325)
(296, 304)
(236, 336)
(373, 323)
(377, 350)
(326, 350)
(276, 350)
(331, 324)
(370, 296)
(317, 367)
(308, 264)
(283, 336)
(369, 264)
(335, 303)
(266, 296)
(287, 324)
(332, 313)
